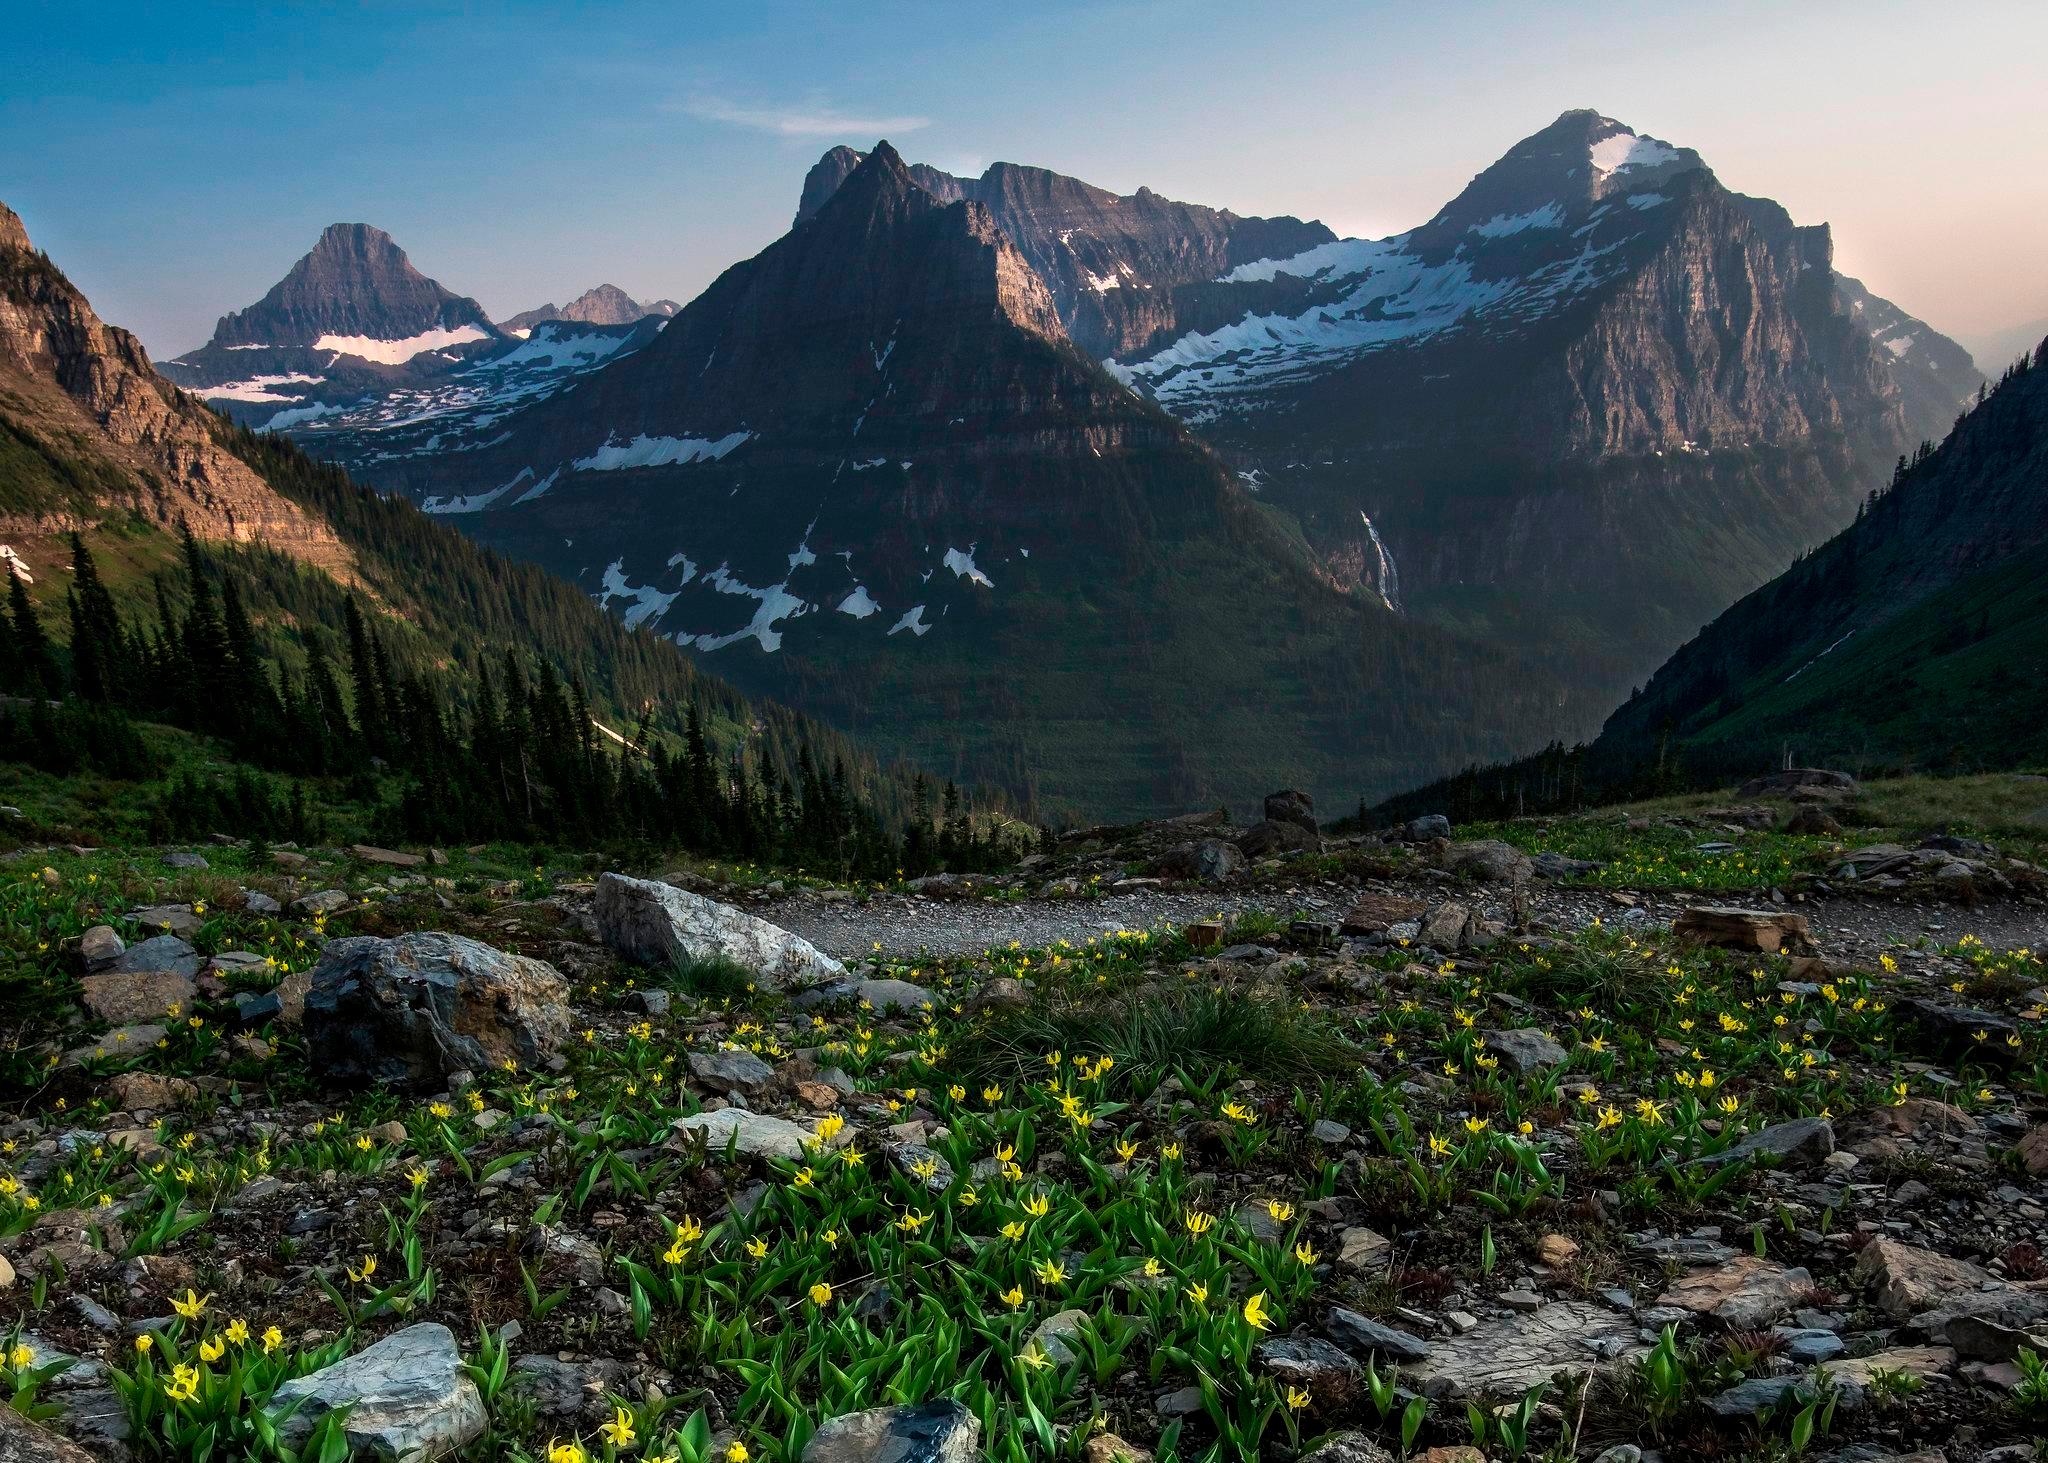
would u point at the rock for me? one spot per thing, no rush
(1766, 932)
(1349, 1448)
(1764, 1394)
(99, 947)
(936, 1432)
(1524, 1049)
(149, 1092)
(1210, 860)
(1293, 807)
(389, 857)
(1557, 1251)
(1205, 934)
(1795, 780)
(1743, 1295)
(1810, 820)
(407, 1397)
(2033, 1150)
(1447, 927)
(748, 1132)
(1488, 860)
(1269, 837)
(564, 1389)
(1002, 993)
(1057, 1335)
(1426, 829)
(1800, 1140)
(1109, 1448)
(21, 1441)
(412, 1011)
(326, 901)
(731, 1071)
(1372, 914)
(123, 1043)
(1811, 1345)
(1364, 1336)
(1363, 1249)
(1312, 1364)
(179, 858)
(1323, 1130)
(152, 979)
(1558, 867)
(1185, 1402)
(257, 902)
(660, 925)
(912, 1157)
(894, 995)
(1908, 1279)
(6, 1273)
(1511, 1355)
(1934, 1029)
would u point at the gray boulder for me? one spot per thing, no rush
(731, 1071)
(99, 947)
(1209, 859)
(1271, 837)
(1427, 828)
(658, 924)
(1488, 860)
(1293, 807)
(407, 1398)
(1524, 1049)
(937, 1432)
(411, 1011)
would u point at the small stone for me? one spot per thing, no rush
(1744, 1294)
(1205, 934)
(1326, 1131)
(1362, 1249)
(1524, 1050)
(1556, 1251)
(936, 1432)
(99, 947)
(1109, 1448)
(407, 1396)
(1058, 1334)
(1908, 1279)
(324, 901)
(731, 1070)
(751, 1133)
(1363, 1335)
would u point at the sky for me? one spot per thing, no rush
(175, 160)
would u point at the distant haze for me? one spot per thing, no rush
(177, 160)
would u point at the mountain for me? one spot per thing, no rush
(87, 427)
(868, 472)
(1918, 637)
(1592, 401)
(605, 305)
(1996, 348)
(362, 358)
(93, 441)
(351, 319)
(1111, 262)
(1936, 376)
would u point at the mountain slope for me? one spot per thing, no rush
(86, 425)
(868, 470)
(1592, 401)
(93, 441)
(605, 305)
(1111, 262)
(1918, 636)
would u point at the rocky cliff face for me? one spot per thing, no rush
(1111, 262)
(74, 387)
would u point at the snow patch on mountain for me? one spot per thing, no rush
(298, 415)
(559, 352)
(1549, 216)
(1336, 259)
(860, 604)
(1623, 150)
(398, 352)
(647, 602)
(963, 566)
(913, 621)
(257, 388)
(644, 451)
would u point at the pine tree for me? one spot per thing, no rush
(99, 653)
(36, 662)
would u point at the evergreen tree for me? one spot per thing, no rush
(36, 663)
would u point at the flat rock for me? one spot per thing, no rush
(1743, 1295)
(1488, 860)
(731, 1070)
(659, 925)
(323, 901)
(1511, 1355)
(1365, 1250)
(407, 1397)
(389, 857)
(1374, 914)
(1763, 931)
(752, 1133)
(894, 995)
(936, 1432)
(1908, 1280)
(1799, 1140)
(1310, 1363)
(1363, 1335)
(1350, 1447)
(1524, 1049)
(120, 997)
(21, 1441)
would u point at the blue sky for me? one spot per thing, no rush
(177, 159)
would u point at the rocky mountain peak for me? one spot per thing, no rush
(13, 232)
(824, 178)
(355, 284)
(1577, 161)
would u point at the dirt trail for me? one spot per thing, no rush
(905, 925)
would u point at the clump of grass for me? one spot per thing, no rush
(1193, 1027)
(708, 976)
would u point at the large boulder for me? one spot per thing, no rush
(148, 980)
(1907, 1279)
(21, 1441)
(1486, 859)
(1293, 807)
(411, 1011)
(937, 1432)
(1262, 840)
(658, 925)
(1797, 782)
(407, 1398)
(1209, 859)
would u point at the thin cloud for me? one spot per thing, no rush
(801, 121)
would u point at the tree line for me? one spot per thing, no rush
(506, 748)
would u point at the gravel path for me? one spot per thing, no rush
(908, 924)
